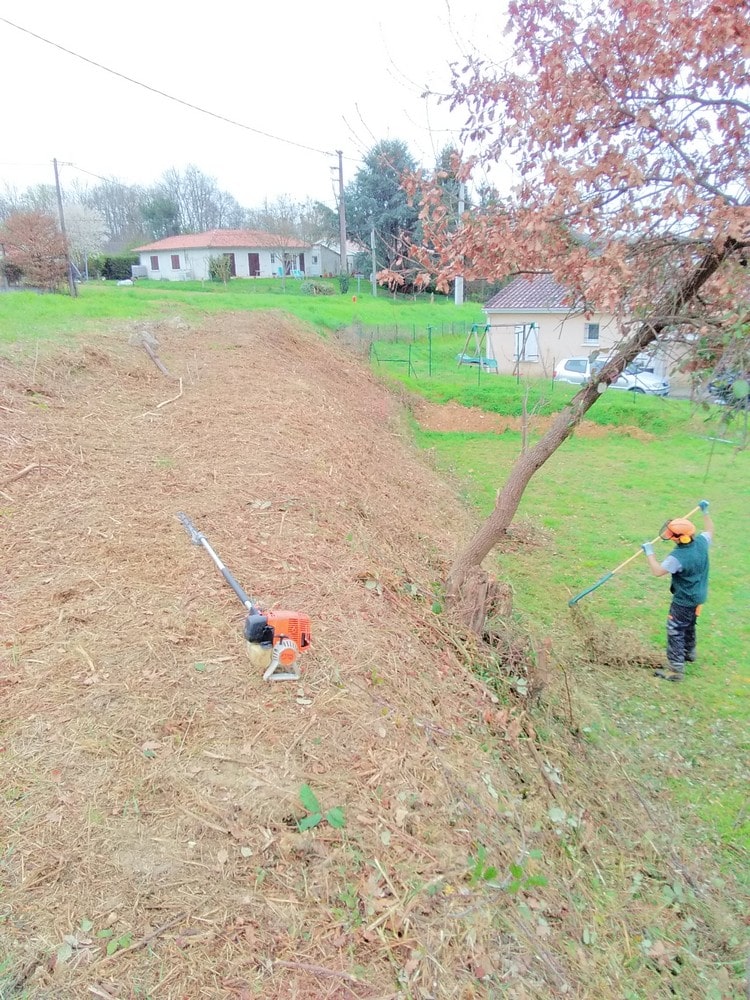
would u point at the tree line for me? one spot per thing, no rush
(112, 217)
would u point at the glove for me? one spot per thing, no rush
(703, 504)
(648, 548)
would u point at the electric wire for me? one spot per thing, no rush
(162, 93)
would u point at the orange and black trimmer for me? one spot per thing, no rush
(275, 639)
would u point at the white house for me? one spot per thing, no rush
(251, 254)
(330, 255)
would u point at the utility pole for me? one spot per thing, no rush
(458, 289)
(71, 282)
(344, 269)
(374, 263)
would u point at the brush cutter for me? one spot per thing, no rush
(274, 639)
(608, 576)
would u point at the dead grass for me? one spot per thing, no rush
(613, 646)
(471, 419)
(151, 780)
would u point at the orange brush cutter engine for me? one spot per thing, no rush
(273, 628)
(275, 638)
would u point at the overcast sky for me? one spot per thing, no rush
(328, 75)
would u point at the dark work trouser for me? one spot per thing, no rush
(681, 635)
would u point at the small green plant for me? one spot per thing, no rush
(316, 288)
(480, 871)
(517, 880)
(115, 943)
(335, 817)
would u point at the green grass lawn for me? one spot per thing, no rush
(28, 317)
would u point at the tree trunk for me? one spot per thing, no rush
(464, 580)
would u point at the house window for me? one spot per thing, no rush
(527, 344)
(154, 263)
(175, 262)
(315, 260)
(273, 258)
(591, 333)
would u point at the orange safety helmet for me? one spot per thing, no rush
(679, 530)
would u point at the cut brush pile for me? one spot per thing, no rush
(154, 787)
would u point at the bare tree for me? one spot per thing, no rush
(87, 234)
(120, 205)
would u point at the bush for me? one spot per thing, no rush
(13, 273)
(220, 268)
(316, 288)
(113, 267)
(344, 283)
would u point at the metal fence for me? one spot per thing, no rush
(413, 347)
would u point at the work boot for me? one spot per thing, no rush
(675, 676)
(661, 673)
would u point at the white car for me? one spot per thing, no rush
(582, 369)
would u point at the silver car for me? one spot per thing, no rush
(582, 369)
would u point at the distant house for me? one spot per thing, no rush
(532, 324)
(330, 255)
(251, 254)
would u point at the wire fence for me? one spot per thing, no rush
(421, 350)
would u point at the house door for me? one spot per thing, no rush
(232, 266)
(527, 343)
(302, 262)
(253, 264)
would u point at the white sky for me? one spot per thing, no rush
(331, 75)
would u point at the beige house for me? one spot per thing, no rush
(530, 327)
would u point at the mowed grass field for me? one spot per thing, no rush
(590, 507)
(26, 316)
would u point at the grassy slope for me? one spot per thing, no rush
(588, 486)
(25, 316)
(585, 485)
(634, 486)
(692, 740)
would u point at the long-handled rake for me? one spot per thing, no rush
(608, 576)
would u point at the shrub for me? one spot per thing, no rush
(316, 288)
(114, 267)
(220, 268)
(344, 283)
(13, 273)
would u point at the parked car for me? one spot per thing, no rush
(633, 379)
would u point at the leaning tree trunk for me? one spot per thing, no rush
(468, 587)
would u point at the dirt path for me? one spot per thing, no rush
(454, 417)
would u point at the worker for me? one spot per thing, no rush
(687, 566)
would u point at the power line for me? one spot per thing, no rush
(161, 93)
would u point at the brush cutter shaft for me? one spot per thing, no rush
(198, 538)
(608, 576)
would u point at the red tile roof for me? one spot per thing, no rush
(218, 238)
(534, 291)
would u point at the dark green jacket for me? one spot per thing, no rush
(690, 585)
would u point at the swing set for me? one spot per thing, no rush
(482, 350)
